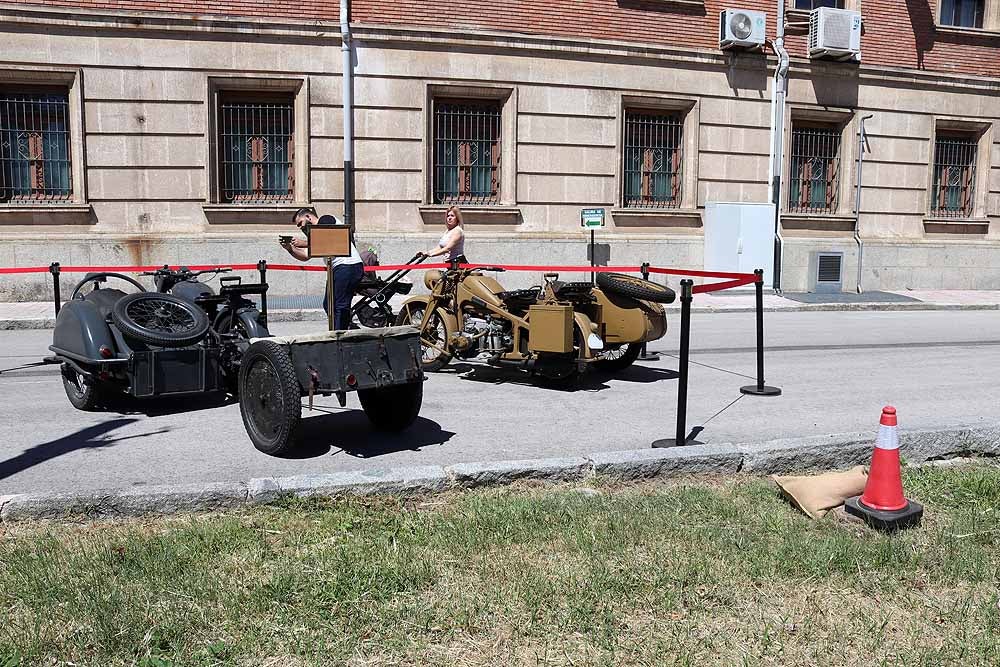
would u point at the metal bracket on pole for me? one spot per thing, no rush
(680, 435)
(645, 355)
(262, 269)
(56, 298)
(760, 389)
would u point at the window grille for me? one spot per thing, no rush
(815, 168)
(256, 149)
(954, 175)
(34, 146)
(466, 152)
(816, 4)
(651, 159)
(963, 13)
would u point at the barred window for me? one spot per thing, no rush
(256, 148)
(815, 4)
(954, 174)
(814, 172)
(467, 151)
(34, 145)
(963, 13)
(651, 159)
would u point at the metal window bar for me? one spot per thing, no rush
(814, 172)
(34, 146)
(652, 159)
(954, 175)
(467, 143)
(815, 4)
(256, 140)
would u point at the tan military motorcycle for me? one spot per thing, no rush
(555, 331)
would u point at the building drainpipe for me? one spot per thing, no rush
(857, 199)
(777, 139)
(348, 95)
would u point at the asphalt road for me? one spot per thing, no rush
(836, 370)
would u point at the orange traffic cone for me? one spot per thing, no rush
(883, 504)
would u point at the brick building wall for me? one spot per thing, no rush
(897, 34)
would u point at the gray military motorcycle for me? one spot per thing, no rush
(183, 338)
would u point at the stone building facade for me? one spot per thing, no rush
(188, 131)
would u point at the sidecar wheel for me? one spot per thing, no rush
(85, 394)
(270, 398)
(392, 408)
(636, 288)
(163, 320)
(618, 358)
(434, 339)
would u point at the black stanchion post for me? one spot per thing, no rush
(644, 355)
(262, 269)
(680, 436)
(760, 389)
(56, 298)
(593, 257)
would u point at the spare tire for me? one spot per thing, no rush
(636, 288)
(158, 319)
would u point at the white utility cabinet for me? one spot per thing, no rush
(739, 237)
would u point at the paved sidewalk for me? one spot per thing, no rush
(39, 314)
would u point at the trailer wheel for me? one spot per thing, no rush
(392, 408)
(270, 398)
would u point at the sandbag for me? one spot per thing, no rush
(818, 494)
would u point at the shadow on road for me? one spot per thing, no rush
(593, 380)
(167, 405)
(350, 432)
(92, 437)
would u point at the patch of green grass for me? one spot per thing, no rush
(700, 572)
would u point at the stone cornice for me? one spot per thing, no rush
(89, 18)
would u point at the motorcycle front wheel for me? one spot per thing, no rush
(433, 340)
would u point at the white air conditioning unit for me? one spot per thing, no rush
(836, 33)
(742, 28)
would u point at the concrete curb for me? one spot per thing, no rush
(317, 315)
(763, 458)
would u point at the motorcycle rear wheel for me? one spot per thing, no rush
(433, 340)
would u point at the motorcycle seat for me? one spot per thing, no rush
(520, 298)
(576, 291)
(105, 299)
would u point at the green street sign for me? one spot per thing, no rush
(592, 217)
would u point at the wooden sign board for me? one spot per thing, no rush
(329, 240)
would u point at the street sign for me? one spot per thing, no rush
(592, 217)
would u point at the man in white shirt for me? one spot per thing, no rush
(347, 271)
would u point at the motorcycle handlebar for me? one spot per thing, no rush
(183, 272)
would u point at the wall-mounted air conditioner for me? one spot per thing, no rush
(836, 33)
(743, 28)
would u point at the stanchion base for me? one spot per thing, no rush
(672, 442)
(754, 390)
(649, 356)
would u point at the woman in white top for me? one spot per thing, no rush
(452, 243)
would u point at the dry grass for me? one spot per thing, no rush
(696, 572)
